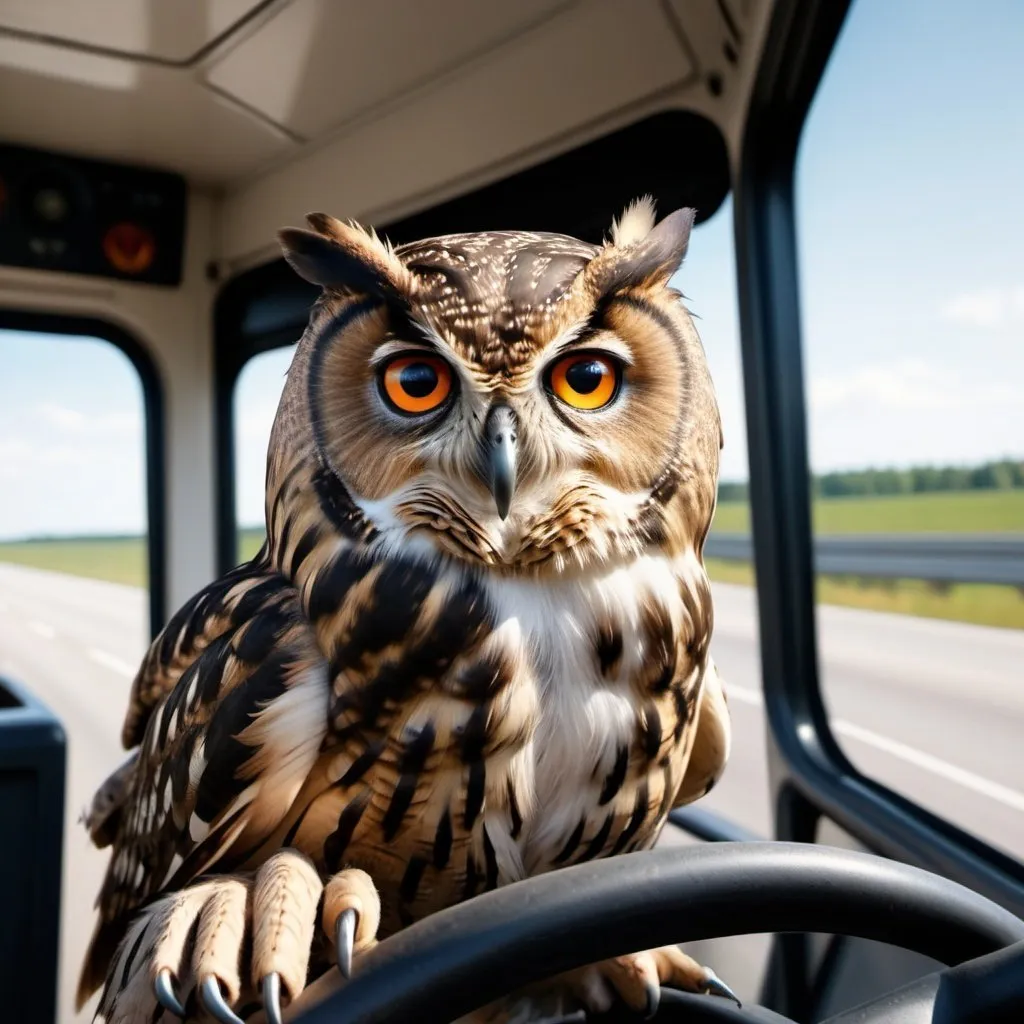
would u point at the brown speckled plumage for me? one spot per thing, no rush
(403, 681)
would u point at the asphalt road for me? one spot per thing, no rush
(933, 709)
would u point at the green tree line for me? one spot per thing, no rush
(1003, 475)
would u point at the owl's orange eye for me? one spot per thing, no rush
(416, 384)
(585, 380)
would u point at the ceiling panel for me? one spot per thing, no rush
(171, 30)
(594, 59)
(334, 59)
(121, 110)
(719, 32)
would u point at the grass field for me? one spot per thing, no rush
(119, 559)
(955, 512)
(249, 542)
(123, 559)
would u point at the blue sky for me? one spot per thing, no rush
(71, 437)
(911, 236)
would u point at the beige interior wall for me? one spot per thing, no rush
(595, 67)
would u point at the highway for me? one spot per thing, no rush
(933, 709)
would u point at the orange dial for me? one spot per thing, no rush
(585, 380)
(129, 247)
(416, 384)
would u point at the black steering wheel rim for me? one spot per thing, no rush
(462, 958)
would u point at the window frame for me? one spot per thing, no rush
(154, 426)
(810, 778)
(236, 342)
(810, 775)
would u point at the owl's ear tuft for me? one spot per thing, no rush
(346, 258)
(635, 257)
(635, 223)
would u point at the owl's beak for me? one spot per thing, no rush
(500, 455)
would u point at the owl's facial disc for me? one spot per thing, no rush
(499, 441)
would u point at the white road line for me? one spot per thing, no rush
(4, 606)
(744, 695)
(122, 668)
(43, 629)
(993, 790)
(977, 783)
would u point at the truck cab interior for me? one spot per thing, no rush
(149, 153)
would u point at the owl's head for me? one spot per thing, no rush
(520, 400)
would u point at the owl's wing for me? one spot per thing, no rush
(711, 742)
(200, 621)
(216, 608)
(223, 754)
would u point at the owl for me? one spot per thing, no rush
(474, 646)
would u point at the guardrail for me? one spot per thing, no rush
(939, 558)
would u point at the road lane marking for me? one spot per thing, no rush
(911, 755)
(993, 790)
(43, 629)
(743, 695)
(122, 668)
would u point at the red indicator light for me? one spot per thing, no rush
(129, 248)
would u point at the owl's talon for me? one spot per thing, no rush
(239, 944)
(653, 999)
(163, 988)
(345, 940)
(638, 979)
(714, 986)
(272, 997)
(213, 1001)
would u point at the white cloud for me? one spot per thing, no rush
(987, 307)
(905, 384)
(88, 485)
(910, 384)
(22, 459)
(105, 424)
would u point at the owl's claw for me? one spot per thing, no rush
(213, 1001)
(351, 916)
(714, 986)
(163, 987)
(638, 978)
(238, 941)
(345, 940)
(272, 997)
(653, 999)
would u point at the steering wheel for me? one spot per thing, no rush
(462, 958)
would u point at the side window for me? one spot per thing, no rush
(911, 240)
(74, 593)
(257, 392)
(73, 514)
